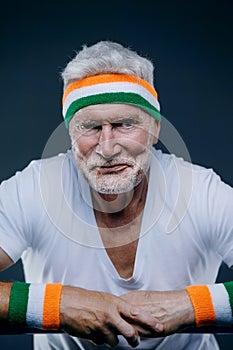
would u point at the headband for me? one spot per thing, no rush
(110, 88)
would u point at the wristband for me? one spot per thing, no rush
(18, 303)
(212, 304)
(35, 305)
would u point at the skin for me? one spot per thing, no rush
(117, 153)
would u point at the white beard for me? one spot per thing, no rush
(113, 183)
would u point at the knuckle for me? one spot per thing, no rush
(135, 311)
(103, 318)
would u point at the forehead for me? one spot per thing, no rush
(111, 111)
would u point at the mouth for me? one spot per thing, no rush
(113, 169)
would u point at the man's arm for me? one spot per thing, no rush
(172, 308)
(97, 316)
(5, 260)
(205, 306)
(5, 288)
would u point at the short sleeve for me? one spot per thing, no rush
(218, 199)
(15, 232)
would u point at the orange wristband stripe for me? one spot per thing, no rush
(202, 303)
(51, 309)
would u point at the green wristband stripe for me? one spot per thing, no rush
(117, 97)
(18, 303)
(229, 288)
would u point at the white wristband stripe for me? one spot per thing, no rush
(222, 307)
(34, 316)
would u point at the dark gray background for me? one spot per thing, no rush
(190, 43)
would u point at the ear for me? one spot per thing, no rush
(156, 132)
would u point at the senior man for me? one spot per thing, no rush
(91, 225)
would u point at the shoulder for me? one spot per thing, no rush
(29, 178)
(191, 180)
(172, 164)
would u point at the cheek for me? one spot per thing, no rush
(85, 145)
(139, 143)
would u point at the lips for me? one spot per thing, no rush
(112, 169)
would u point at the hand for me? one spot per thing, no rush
(101, 317)
(172, 308)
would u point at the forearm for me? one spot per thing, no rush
(206, 305)
(97, 316)
(5, 289)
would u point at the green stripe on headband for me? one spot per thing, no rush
(118, 97)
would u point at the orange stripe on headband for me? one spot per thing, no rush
(51, 310)
(108, 78)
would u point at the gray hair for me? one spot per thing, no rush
(107, 57)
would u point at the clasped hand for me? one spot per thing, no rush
(101, 317)
(172, 308)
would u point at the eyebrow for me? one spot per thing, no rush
(133, 117)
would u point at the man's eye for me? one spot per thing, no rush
(124, 125)
(87, 126)
(90, 126)
(128, 124)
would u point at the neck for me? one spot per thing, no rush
(116, 210)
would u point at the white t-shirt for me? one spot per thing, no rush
(46, 217)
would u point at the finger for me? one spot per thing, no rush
(146, 319)
(105, 337)
(111, 339)
(127, 331)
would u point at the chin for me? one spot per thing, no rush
(116, 186)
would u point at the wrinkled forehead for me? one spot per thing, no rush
(110, 112)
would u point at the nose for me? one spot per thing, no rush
(107, 147)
